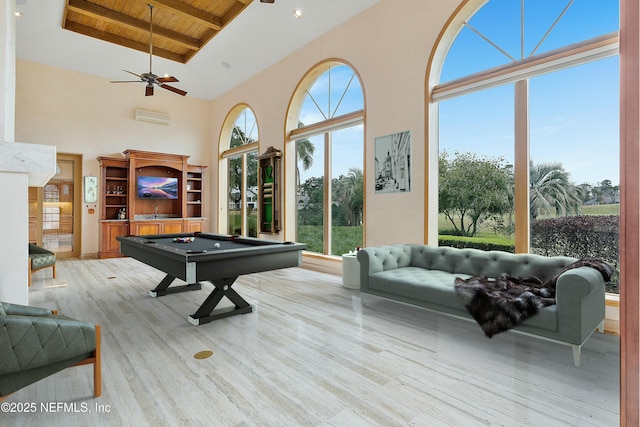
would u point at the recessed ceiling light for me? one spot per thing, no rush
(297, 13)
(18, 14)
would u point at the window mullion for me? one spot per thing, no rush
(243, 196)
(327, 193)
(521, 167)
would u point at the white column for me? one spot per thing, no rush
(21, 165)
(8, 70)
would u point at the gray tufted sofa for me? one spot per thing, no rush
(424, 276)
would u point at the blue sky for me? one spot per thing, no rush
(573, 113)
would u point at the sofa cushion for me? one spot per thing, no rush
(437, 288)
(414, 282)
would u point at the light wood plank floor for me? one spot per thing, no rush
(309, 354)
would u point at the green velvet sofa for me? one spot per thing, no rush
(424, 276)
(36, 342)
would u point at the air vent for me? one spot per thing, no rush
(152, 117)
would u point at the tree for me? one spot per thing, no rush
(238, 138)
(313, 211)
(473, 189)
(586, 192)
(304, 152)
(550, 189)
(347, 197)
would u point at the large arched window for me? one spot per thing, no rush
(527, 98)
(239, 168)
(329, 147)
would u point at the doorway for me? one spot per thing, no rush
(55, 210)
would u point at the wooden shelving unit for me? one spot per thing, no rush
(124, 212)
(269, 200)
(114, 185)
(114, 188)
(194, 191)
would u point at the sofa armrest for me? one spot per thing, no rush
(24, 310)
(580, 300)
(28, 342)
(382, 258)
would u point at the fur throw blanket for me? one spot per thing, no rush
(502, 303)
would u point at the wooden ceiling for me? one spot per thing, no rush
(180, 27)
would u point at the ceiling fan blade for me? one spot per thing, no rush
(148, 90)
(131, 72)
(168, 79)
(173, 89)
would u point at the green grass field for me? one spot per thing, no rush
(601, 210)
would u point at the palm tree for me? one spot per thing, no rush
(304, 153)
(550, 189)
(347, 193)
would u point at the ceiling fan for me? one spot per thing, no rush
(149, 78)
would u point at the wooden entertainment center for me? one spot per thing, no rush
(128, 209)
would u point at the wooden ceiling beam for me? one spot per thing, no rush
(128, 22)
(112, 38)
(200, 16)
(233, 12)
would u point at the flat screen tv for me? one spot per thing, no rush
(155, 187)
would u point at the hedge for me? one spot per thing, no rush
(485, 244)
(586, 236)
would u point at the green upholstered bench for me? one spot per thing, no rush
(40, 258)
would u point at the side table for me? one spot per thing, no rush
(350, 271)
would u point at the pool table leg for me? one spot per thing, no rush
(163, 287)
(206, 312)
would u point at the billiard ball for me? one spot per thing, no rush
(216, 245)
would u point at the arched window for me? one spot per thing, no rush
(329, 173)
(527, 98)
(240, 167)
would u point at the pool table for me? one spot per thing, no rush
(215, 258)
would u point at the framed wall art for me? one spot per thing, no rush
(90, 189)
(393, 162)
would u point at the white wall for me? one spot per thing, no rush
(83, 114)
(389, 46)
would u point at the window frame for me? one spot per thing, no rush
(325, 128)
(518, 72)
(224, 155)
